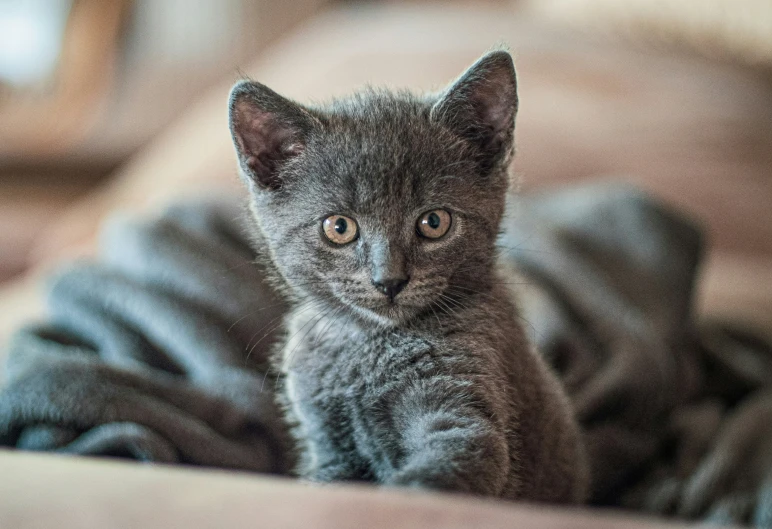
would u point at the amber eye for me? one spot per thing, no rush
(434, 224)
(340, 229)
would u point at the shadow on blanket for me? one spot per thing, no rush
(159, 353)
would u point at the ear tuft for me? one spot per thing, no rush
(268, 130)
(481, 107)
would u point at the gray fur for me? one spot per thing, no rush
(439, 387)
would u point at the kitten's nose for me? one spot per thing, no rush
(391, 287)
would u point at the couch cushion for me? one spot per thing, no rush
(42, 491)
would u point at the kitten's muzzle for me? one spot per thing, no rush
(390, 287)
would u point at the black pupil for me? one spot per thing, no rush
(341, 226)
(433, 220)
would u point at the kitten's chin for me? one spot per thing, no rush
(386, 315)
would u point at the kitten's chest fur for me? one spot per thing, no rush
(339, 362)
(340, 379)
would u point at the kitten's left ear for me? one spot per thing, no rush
(481, 107)
(268, 130)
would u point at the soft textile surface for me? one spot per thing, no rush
(44, 491)
(144, 353)
(159, 353)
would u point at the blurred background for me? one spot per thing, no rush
(121, 105)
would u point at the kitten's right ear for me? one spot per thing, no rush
(268, 130)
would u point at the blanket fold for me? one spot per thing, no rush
(144, 353)
(159, 352)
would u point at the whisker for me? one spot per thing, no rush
(453, 302)
(240, 319)
(252, 313)
(484, 294)
(318, 318)
(265, 376)
(445, 305)
(331, 322)
(279, 320)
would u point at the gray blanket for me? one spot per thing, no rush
(158, 352)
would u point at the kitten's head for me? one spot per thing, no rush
(382, 205)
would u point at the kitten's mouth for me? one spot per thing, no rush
(384, 307)
(391, 314)
(386, 311)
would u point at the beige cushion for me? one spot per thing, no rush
(47, 491)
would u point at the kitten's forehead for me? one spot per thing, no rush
(381, 152)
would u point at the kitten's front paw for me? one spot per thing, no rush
(332, 473)
(425, 478)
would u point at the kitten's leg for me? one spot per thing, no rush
(332, 471)
(329, 462)
(449, 443)
(324, 456)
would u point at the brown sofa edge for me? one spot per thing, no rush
(64, 492)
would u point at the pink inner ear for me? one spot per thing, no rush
(254, 130)
(496, 103)
(264, 141)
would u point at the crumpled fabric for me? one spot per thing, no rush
(147, 353)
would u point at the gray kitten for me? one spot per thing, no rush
(405, 362)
